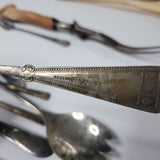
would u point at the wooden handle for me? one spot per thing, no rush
(14, 14)
(146, 6)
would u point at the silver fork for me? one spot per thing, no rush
(72, 28)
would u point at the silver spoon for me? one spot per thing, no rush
(29, 142)
(91, 155)
(73, 136)
(90, 143)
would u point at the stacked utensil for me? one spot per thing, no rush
(71, 136)
(74, 136)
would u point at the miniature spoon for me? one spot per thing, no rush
(31, 143)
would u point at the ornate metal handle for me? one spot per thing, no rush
(135, 87)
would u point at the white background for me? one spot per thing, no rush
(138, 132)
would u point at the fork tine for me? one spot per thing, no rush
(124, 48)
(142, 50)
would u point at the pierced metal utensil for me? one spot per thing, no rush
(31, 143)
(8, 25)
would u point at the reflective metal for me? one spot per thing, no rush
(85, 34)
(72, 136)
(31, 143)
(34, 117)
(14, 81)
(135, 87)
(17, 88)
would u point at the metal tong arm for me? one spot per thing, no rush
(135, 87)
(31, 116)
(36, 93)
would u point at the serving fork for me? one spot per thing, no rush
(12, 15)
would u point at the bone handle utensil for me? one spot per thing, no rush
(83, 33)
(29, 142)
(36, 93)
(134, 86)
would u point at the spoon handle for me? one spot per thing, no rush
(32, 143)
(135, 87)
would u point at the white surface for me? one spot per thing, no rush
(138, 132)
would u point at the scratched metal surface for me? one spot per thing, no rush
(139, 132)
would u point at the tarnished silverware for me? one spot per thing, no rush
(36, 93)
(14, 81)
(83, 33)
(29, 142)
(135, 87)
(92, 133)
(71, 136)
(21, 112)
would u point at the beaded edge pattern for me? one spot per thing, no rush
(89, 93)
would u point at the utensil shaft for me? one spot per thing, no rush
(135, 87)
(21, 112)
(36, 93)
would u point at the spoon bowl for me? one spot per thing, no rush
(72, 136)
(76, 135)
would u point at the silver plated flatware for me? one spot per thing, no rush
(29, 142)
